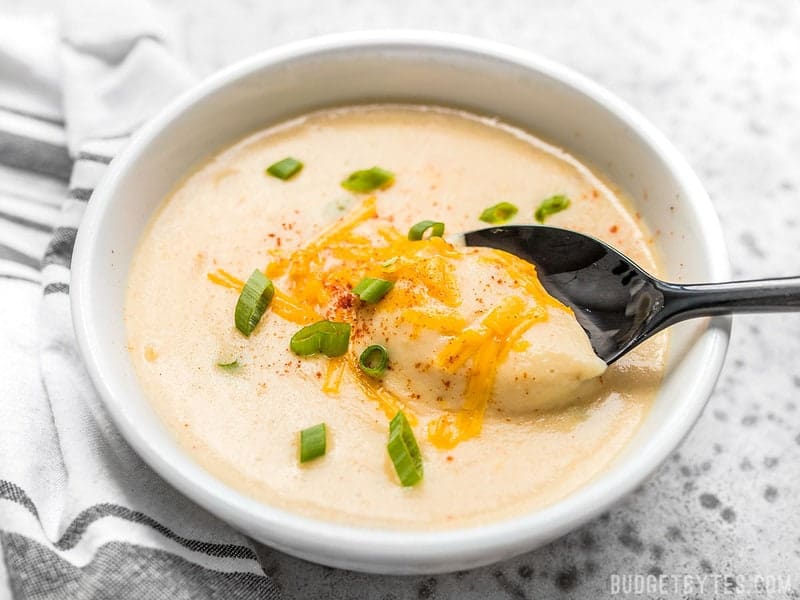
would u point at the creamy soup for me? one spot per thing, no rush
(498, 384)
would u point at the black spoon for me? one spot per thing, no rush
(618, 304)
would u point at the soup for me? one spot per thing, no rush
(454, 391)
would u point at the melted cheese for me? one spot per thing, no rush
(315, 281)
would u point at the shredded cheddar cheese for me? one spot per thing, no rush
(441, 322)
(484, 347)
(333, 375)
(314, 282)
(225, 279)
(290, 309)
(373, 390)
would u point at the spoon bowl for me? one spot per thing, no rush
(618, 303)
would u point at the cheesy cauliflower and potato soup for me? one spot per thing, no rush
(300, 322)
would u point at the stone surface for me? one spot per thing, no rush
(722, 81)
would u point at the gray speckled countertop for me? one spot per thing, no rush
(722, 81)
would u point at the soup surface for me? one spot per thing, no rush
(510, 408)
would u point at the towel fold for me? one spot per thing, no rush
(81, 516)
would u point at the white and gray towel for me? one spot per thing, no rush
(81, 516)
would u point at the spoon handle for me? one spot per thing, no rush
(709, 299)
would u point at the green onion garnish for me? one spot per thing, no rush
(324, 337)
(499, 213)
(285, 169)
(229, 366)
(253, 301)
(370, 290)
(389, 262)
(404, 451)
(312, 442)
(551, 206)
(373, 360)
(417, 232)
(368, 180)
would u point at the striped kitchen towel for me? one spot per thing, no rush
(81, 516)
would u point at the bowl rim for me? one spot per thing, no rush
(382, 546)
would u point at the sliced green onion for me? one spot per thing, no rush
(253, 301)
(373, 360)
(229, 366)
(324, 337)
(342, 204)
(404, 451)
(551, 206)
(313, 442)
(499, 213)
(368, 180)
(285, 169)
(388, 263)
(418, 231)
(370, 290)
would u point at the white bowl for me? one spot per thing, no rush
(522, 89)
